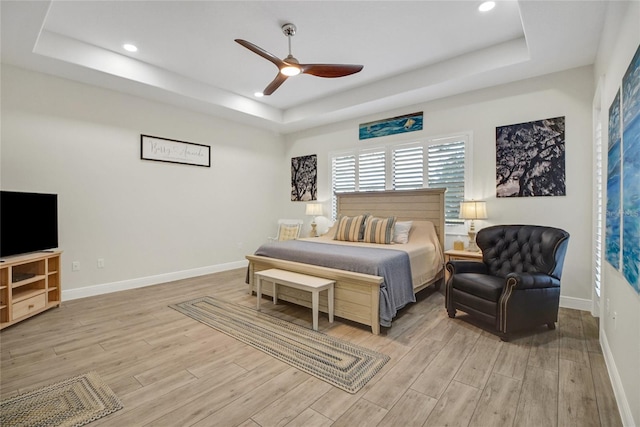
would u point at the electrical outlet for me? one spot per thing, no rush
(75, 266)
(100, 262)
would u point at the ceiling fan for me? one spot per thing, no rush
(290, 66)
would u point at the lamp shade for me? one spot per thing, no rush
(473, 210)
(314, 209)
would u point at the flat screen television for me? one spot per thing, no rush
(28, 222)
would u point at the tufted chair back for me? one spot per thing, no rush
(523, 249)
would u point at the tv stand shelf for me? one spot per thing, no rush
(30, 279)
(29, 284)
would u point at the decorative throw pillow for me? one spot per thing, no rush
(288, 232)
(401, 231)
(349, 228)
(379, 230)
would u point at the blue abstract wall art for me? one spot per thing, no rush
(401, 124)
(631, 172)
(614, 183)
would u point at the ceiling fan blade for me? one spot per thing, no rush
(275, 84)
(266, 55)
(330, 70)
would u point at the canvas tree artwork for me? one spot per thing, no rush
(304, 178)
(530, 159)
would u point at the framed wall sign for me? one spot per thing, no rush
(174, 151)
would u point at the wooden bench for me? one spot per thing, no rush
(299, 281)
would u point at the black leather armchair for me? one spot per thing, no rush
(517, 284)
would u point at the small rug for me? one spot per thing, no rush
(73, 402)
(340, 363)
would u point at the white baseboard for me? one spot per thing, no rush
(616, 383)
(576, 303)
(106, 288)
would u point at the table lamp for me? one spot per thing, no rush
(313, 209)
(473, 210)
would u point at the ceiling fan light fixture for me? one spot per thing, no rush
(290, 66)
(290, 70)
(258, 94)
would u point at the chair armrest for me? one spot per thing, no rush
(532, 281)
(460, 266)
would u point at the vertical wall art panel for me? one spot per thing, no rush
(614, 182)
(304, 178)
(631, 172)
(530, 159)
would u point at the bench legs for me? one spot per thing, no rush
(258, 292)
(330, 303)
(315, 300)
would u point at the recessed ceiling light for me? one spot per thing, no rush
(487, 6)
(129, 47)
(258, 94)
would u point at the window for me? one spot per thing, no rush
(599, 205)
(599, 208)
(343, 174)
(434, 163)
(446, 170)
(408, 168)
(371, 171)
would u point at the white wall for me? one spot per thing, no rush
(148, 220)
(566, 94)
(620, 337)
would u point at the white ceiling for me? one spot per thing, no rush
(412, 51)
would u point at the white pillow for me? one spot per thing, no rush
(401, 231)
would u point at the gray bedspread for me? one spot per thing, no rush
(393, 266)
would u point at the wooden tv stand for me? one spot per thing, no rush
(29, 284)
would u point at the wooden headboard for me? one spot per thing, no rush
(425, 204)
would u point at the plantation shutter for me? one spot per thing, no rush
(421, 164)
(408, 168)
(371, 171)
(446, 170)
(343, 173)
(599, 209)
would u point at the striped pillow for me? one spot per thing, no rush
(349, 228)
(379, 230)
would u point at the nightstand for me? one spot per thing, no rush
(453, 254)
(469, 256)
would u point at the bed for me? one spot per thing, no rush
(361, 297)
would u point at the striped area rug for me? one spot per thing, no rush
(340, 363)
(70, 403)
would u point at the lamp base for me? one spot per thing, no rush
(314, 232)
(472, 242)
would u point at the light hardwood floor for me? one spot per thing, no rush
(170, 370)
